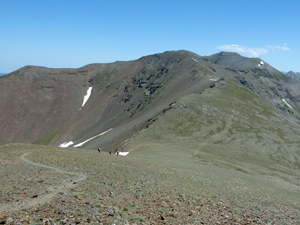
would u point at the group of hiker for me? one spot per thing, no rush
(99, 150)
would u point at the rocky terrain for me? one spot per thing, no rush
(122, 190)
(211, 140)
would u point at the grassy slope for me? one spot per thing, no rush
(228, 141)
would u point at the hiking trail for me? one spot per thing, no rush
(52, 191)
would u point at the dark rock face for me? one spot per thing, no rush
(43, 105)
(260, 77)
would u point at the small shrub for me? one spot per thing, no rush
(76, 195)
(236, 210)
(98, 205)
(256, 213)
(139, 218)
(266, 219)
(137, 194)
(196, 220)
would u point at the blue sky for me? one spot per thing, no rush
(71, 34)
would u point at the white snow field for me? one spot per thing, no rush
(195, 60)
(87, 96)
(80, 144)
(213, 79)
(123, 153)
(261, 63)
(66, 144)
(287, 103)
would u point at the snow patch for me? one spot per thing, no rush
(87, 96)
(66, 144)
(287, 103)
(261, 63)
(123, 153)
(195, 60)
(80, 144)
(213, 79)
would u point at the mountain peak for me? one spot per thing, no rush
(234, 60)
(294, 75)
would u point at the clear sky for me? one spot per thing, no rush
(71, 34)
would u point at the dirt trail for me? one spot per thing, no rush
(229, 122)
(218, 136)
(52, 191)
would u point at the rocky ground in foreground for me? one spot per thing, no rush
(146, 209)
(116, 190)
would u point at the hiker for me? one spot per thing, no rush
(99, 149)
(117, 153)
(110, 152)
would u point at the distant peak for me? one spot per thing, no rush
(171, 55)
(234, 60)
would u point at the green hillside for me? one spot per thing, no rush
(225, 139)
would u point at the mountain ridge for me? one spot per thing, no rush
(294, 75)
(124, 96)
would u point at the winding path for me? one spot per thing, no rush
(218, 136)
(52, 191)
